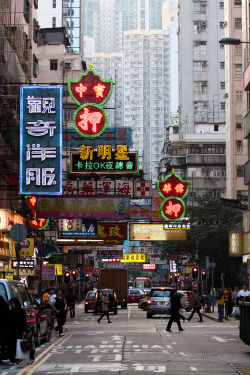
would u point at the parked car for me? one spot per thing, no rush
(113, 303)
(185, 299)
(43, 320)
(89, 303)
(15, 288)
(134, 295)
(159, 301)
(142, 303)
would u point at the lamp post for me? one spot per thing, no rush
(232, 41)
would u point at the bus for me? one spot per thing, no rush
(143, 283)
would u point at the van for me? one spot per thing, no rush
(15, 288)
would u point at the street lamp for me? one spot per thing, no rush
(231, 41)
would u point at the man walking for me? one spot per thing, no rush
(60, 308)
(174, 311)
(220, 303)
(196, 302)
(244, 294)
(105, 307)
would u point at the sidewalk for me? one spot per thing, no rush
(214, 315)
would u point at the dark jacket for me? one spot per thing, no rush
(196, 301)
(60, 304)
(4, 319)
(18, 322)
(175, 304)
(71, 298)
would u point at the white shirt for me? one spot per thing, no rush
(243, 293)
(52, 298)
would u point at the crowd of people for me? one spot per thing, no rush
(14, 325)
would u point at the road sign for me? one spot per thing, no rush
(18, 232)
(82, 277)
(212, 265)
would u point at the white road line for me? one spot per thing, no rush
(169, 347)
(193, 368)
(174, 343)
(4, 373)
(181, 353)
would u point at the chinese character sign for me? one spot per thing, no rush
(235, 243)
(41, 140)
(90, 92)
(173, 191)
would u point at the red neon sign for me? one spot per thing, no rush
(34, 222)
(90, 120)
(173, 208)
(173, 186)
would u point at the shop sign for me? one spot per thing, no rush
(56, 258)
(8, 219)
(133, 258)
(109, 254)
(112, 231)
(235, 244)
(104, 160)
(48, 272)
(58, 269)
(141, 250)
(26, 247)
(27, 272)
(143, 189)
(87, 269)
(155, 232)
(147, 266)
(41, 140)
(77, 228)
(82, 207)
(110, 136)
(29, 263)
(9, 275)
(4, 248)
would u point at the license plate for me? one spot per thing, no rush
(162, 303)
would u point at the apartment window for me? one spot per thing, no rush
(36, 4)
(200, 67)
(216, 127)
(238, 23)
(53, 21)
(200, 7)
(222, 46)
(200, 47)
(239, 96)
(239, 122)
(54, 3)
(237, 2)
(35, 29)
(199, 26)
(222, 85)
(238, 71)
(53, 64)
(242, 195)
(240, 170)
(238, 49)
(239, 146)
(221, 25)
(222, 65)
(221, 4)
(26, 10)
(222, 105)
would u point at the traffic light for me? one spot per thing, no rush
(67, 277)
(195, 272)
(176, 277)
(74, 275)
(203, 275)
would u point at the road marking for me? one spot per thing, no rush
(193, 368)
(4, 373)
(219, 339)
(181, 353)
(169, 347)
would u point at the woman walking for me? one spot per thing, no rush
(105, 307)
(174, 311)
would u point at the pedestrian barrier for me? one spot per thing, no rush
(245, 322)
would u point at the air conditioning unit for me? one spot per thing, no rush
(239, 126)
(226, 95)
(203, 23)
(67, 65)
(225, 24)
(204, 83)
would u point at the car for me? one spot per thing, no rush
(98, 304)
(134, 294)
(158, 301)
(185, 298)
(142, 303)
(43, 320)
(15, 288)
(89, 303)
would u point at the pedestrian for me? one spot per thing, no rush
(220, 303)
(105, 307)
(226, 303)
(60, 308)
(196, 303)
(244, 294)
(230, 302)
(174, 311)
(18, 329)
(52, 295)
(71, 301)
(212, 296)
(4, 328)
(235, 295)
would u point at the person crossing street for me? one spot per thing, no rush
(105, 307)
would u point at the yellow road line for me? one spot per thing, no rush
(61, 342)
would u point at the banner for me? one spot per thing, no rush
(155, 232)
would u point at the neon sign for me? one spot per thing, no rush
(90, 92)
(34, 222)
(41, 140)
(173, 190)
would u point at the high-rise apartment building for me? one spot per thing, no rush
(236, 145)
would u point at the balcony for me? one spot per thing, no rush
(247, 125)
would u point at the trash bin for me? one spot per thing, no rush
(245, 322)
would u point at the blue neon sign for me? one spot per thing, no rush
(40, 140)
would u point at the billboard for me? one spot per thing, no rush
(235, 244)
(155, 232)
(40, 140)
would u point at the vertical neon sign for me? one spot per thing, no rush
(40, 140)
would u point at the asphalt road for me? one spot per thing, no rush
(134, 345)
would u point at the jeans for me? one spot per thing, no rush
(60, 321)
(220, 312)
(195, 310)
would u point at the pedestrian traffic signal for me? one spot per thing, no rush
(203, 275)
(74, 274)
(195, 272)
(67, 277)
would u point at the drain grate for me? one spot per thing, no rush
(242, 370)
(202, 357)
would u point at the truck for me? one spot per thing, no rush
(116, 279)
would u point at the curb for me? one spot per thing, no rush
(209, 317)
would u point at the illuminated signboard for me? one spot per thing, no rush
(109, 254)
(173, 190)
(131, 258)
(112, 231)
(90, 92)
(41, 140)
(110, 136)
(147, 266)
(154, 232)
(23, 264)
(87, 228)
(104, 160)
(34, 222)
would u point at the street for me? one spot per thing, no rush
(133, 344)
